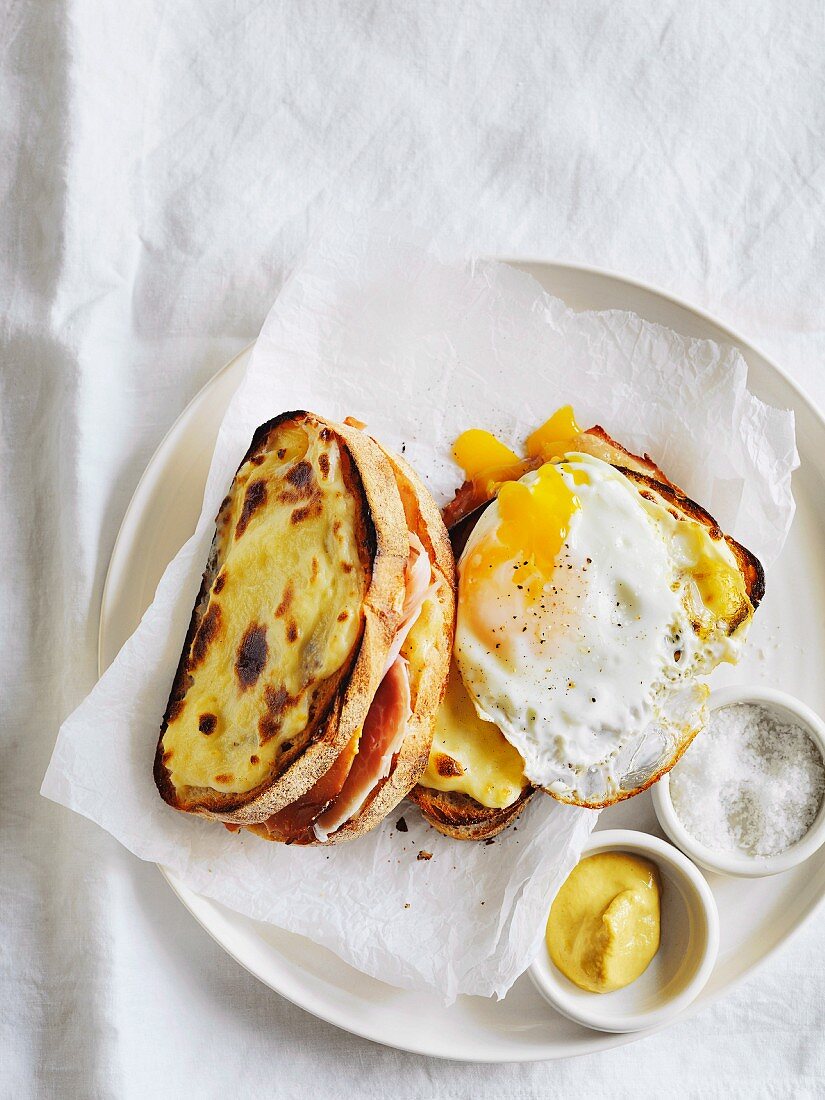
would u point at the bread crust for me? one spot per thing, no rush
(424, 519)
(384, 546)
(461, 817)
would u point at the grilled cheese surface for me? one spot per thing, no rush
(283, 615)
(470, 755)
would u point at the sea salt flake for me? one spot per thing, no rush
(750, 783)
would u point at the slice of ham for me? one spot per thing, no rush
(381, 738)
(294, 822)
(419, 585)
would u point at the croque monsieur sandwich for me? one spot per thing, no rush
(592, 593)
(319, 645)
(328, 672)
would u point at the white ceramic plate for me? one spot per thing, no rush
(788, 640)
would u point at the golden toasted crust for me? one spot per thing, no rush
(596, 442)
(344, 701)
(423, 517)
(427, 681)
(463, 818)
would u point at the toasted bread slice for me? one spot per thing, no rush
(463, 818)
(456, 813)
(426, 650)
(291, 629)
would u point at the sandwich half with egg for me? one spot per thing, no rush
(319, 645)
(593, 595)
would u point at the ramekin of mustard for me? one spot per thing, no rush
(631, 936)
(603, 928)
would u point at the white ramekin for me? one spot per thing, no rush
(680, 968)
(742, 865)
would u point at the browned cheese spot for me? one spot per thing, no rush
(292, 631)
(207, 723)
(254, 498)
(207, 632)
(281, 453)
(323, 462)
(446, 766)
(300, 485)
(254, 760)
(224, 777)
(258, 460)
(301, 477)
(278, 701)
(336, 527)
(252, 655)
(220, 581)
(286, 601)
(347, 566)
(344, 615)
(325, 434)
(314, 571)
(307, 512)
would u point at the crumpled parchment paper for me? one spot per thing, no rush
(376, 326)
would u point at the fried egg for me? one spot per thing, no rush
(586, 609)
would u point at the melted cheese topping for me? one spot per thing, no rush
(285, 613)
(470, 755)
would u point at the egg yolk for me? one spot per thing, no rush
(535, 520)
(553, 437)
(485, 460)
(488, 463)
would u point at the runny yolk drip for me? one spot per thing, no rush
(553, 437)
(485, 460)
(535, 520)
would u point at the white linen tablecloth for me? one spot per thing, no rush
(162, 166)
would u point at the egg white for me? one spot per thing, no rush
(593, 682)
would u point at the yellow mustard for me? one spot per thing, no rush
(603, 928)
